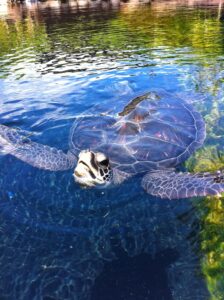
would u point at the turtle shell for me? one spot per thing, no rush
(156, 130)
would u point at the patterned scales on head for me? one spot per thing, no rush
(154, 131)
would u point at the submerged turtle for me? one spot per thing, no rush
(153, 134)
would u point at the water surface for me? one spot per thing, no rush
(61, 242)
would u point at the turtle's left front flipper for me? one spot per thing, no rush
(173, 185)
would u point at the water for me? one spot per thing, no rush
(58, 241)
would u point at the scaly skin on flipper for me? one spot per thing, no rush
(37, 155)
(169, 184)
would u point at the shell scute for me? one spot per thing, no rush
(154, 150)
(89, 132)
(128, 128)
(117, 153)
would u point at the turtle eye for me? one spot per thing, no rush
(104, 162)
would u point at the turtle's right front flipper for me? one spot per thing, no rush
(173, 185)
(13, 142)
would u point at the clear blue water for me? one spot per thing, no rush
(58, 241)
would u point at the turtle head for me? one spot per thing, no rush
(93, 169)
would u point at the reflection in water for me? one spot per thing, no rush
(58, 59)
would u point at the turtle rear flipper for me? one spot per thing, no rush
(13, 142)
(173, 185)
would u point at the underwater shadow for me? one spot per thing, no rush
(135, 278)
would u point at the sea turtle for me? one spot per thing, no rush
(152, 135)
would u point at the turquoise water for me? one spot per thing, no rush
(58, 241)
